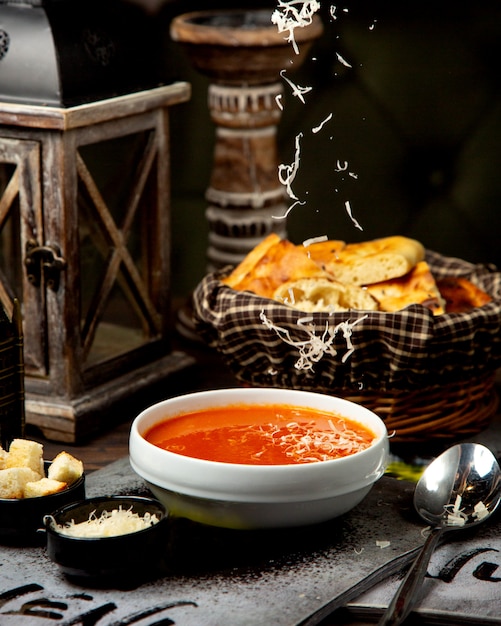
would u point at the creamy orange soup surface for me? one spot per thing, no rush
(261, 435)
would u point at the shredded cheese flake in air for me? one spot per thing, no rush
(315, 347)
(382, 543)
(297, 90)
(292, 14)
(292, 206)
(342, 60)
(287, 173)
(311, 240)
(350, 214)
(108, 524)
(318, 128)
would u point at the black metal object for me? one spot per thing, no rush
(12, 411)
(68, 52)
(46, 260)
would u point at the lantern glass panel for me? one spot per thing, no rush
(118, 310)
(10, 239)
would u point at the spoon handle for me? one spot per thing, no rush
(406, 595)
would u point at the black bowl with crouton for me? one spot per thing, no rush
(21, 518)
(114, 540)
(31, 488)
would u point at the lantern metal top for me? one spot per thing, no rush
(69, 52)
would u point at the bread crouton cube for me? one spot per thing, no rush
(3, 458)
(13, 481)
(43, 487)
(26, 453)
(65, 468)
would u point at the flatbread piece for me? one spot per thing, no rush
(370, 261)
(417, 287)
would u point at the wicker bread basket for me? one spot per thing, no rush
(426, 376)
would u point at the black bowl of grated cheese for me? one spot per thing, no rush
(118, 540)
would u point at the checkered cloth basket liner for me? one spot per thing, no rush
(407, 350)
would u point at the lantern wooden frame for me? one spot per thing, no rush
(67, 393)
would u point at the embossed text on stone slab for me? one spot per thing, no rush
(463, 580)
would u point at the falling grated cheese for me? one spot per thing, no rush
(316, 129)
(382, 544)
(287, 173)
(292, 14)
(315, 347)
(319, 239)
(350, 214)
(288, 210)
(108, 524)
(297, 91)
(342, 60)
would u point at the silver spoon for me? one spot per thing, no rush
(459, 489)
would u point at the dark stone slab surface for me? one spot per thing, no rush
(216, 577)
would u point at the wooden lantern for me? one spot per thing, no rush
(84, 245)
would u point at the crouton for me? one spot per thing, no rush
(43, 487)
(25, 453)
(65, 468)
(3, 458)
(13, 481)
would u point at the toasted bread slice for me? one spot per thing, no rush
(461, 295)
(370, 261)
(65, 468)
(272, 263)
(13, 481)
(244, 269)
(321, 294)
(417, 287)
(26, 453)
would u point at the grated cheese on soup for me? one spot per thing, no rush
(305, 443)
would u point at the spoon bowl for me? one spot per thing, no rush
(459, 489)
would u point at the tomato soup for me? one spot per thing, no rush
(261, 435)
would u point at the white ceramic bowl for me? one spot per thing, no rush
(257, 496)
